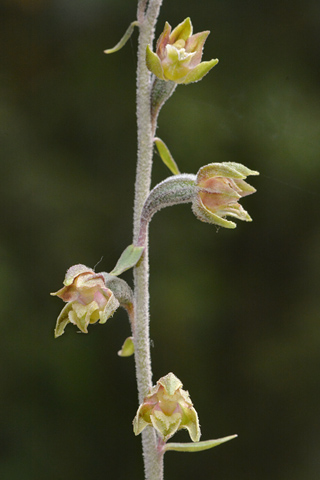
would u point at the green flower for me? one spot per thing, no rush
(88, 299)
(168, 409)
(219, 187)
(178, 55)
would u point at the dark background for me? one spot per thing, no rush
(234, 313)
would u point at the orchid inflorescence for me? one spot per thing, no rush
(214, 193)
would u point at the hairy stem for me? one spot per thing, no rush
(147, 16)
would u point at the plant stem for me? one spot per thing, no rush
(147, 16)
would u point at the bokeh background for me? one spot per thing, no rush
(235, 313)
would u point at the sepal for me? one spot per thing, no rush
(154, 64)
(200, 71)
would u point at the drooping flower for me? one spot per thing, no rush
(178, 54)
(167, 408)
(88, 299)
(219, 187)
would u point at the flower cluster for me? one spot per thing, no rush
(168, 409)
(178, 54)
(88, 299)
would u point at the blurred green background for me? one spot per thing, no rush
(234, 314)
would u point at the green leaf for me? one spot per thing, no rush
(196, 446)
(127, 348)
(128, 259)
(124, 39)
(166, 156)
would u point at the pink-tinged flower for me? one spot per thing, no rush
(178, 54)
(88, 299)
(219, 187)
(168, 409)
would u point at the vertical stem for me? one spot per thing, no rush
(153, 460)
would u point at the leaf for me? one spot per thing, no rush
(196, 446)
(124, 39)
(128, 259)
(127, 348)
(166, 156)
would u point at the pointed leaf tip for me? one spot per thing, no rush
(166, 156)
(128, 259)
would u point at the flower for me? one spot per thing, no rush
(178, 54)
(88, 299)
(219, 187)
(167, 408)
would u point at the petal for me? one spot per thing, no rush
(199, 71)
(75, 320)
(81, 314)
(165, 425)
(195, 44)
(163, 41)
(154, 63)
(215, 201)
(74, 271)
(221, 185)
(182, 31)
(237, 211)
(203, 214)
(245, 188)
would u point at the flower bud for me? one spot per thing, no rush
(88, 299)
(178, 54)
(168, 409)
(219, 187)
